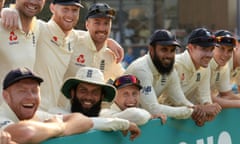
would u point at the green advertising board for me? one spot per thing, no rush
(223, 130)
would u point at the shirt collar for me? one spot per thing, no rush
(55, 29)
(187, 61)
(115, 107)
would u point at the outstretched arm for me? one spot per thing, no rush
(30, 131)
(76, 123)
(34, 132)
(136, 115)
(114, 124)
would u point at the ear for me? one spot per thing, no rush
(151, 50)
(52, 8)
(190, 47)
(6, 96)
(86, 24)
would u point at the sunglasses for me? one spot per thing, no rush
(203, 39)
(226, 40)
(127, 79)
(103, 10)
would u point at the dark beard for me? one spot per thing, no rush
(160, 67)
(92, 112)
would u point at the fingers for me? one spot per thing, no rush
(134, 135)
(124, 132)
(120, 55)
(163, 118)
(9, 19)
(134, 130)
(5, 137)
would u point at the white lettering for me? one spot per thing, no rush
(224, 138)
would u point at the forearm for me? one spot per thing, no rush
(136, 115)
(116, 48)
(229, 95)
(150, 103)
(34, 132)
(226, 103)
(76, 123)
(110, 124)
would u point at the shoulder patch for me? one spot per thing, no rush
(147, 89)
(4, 123)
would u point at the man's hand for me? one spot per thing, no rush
(134, 130)
(163, 117)
(9, 18)
(116, 48)
(203, 113)
(5, 138)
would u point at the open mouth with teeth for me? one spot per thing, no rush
(29, 106)
(130, 105)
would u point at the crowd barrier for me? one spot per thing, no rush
(222, 130)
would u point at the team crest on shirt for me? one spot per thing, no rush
(13, 38)
(55, 40)
(146, 90)
(80, 60)
(4, 123)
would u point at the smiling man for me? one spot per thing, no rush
(20, 117)
(94, 51)
(194, 72)
(158, 76)
(18, 47)
(220, 71)
(126, 103)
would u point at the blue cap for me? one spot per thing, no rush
(68, 2)
(100, 10)
(164, 38)
(202, 37)
(18, 74)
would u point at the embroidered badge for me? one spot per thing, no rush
(163, 80)
(4, 123)
(102, 65)
(13, 39)
(55, 40)
(147, 89)
(89, 73)
(80, 59)
(198, 77)
(218, 76)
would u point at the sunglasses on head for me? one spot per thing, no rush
(103, 10)
(226, 40)
(203, 39)
(127, 79)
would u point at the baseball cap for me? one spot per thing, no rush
(68, 2)
(126, 80)
(18, 74)
(164, 37)
(99, 10)
(92, 76)
(202, 37)
(225, 37)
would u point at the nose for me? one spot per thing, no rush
(209, 54)
(132, 99)
(30, 94)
